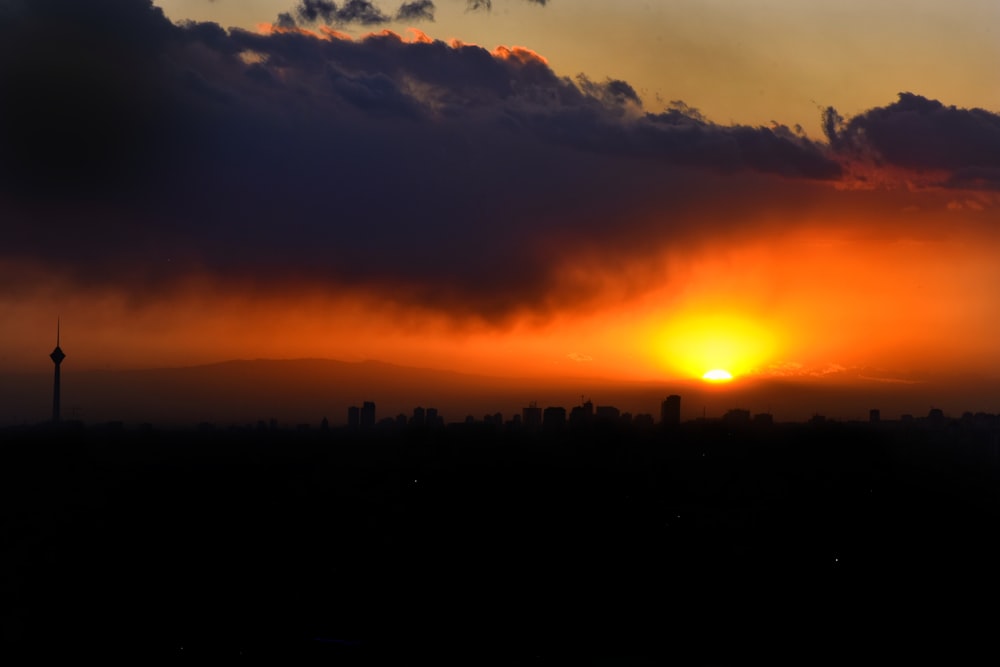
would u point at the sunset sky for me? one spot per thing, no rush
(631, 190)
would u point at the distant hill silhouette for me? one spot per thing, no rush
(306, 390)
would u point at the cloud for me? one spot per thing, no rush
(311, 11)
(444, 176)
(418, 10)
(362, 12)
(947, 145)
(487, 5)
(365, 12)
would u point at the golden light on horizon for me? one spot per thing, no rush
(725, 344)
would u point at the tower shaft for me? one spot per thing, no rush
(55, 396)
(57, 357)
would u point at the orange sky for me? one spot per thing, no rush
(435, 204)
(780, 297)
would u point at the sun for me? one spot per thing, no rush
(717, 375)
(727, 345)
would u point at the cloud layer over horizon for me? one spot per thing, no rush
(134, 152)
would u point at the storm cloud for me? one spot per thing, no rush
(133, 149)
(924, 135)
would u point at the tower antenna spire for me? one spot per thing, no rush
(57, 357)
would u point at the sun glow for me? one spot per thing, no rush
(727, 345)
(717, 375)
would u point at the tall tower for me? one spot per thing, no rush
(57, 357)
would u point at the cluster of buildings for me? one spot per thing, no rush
(532, 418)
(364, 417)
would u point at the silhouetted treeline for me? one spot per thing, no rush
(704, 544)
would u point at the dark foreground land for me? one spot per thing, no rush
(797, 544)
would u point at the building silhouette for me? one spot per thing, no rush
(531, 416)
(643, 420)
(554, 418)
(368, 415)
(607, 414)
(670, 411)
(57, 357)
(582, 415)
(736, 417)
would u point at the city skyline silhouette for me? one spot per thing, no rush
(505, 332)
(530, 416)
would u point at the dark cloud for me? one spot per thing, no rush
(362, 12)
(487, 5)
(439, 174)
(285, 20)
(375, 94)
(311, 11)
(919, 134)
(418, 10)
(612, 91)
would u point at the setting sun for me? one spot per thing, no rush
(726, 344)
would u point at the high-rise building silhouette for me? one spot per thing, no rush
(532, 416)
(554, 418)
(368, 415)
(57, 357)
(582, 415)
(736, 417)
(607, 414)
(670, 411)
